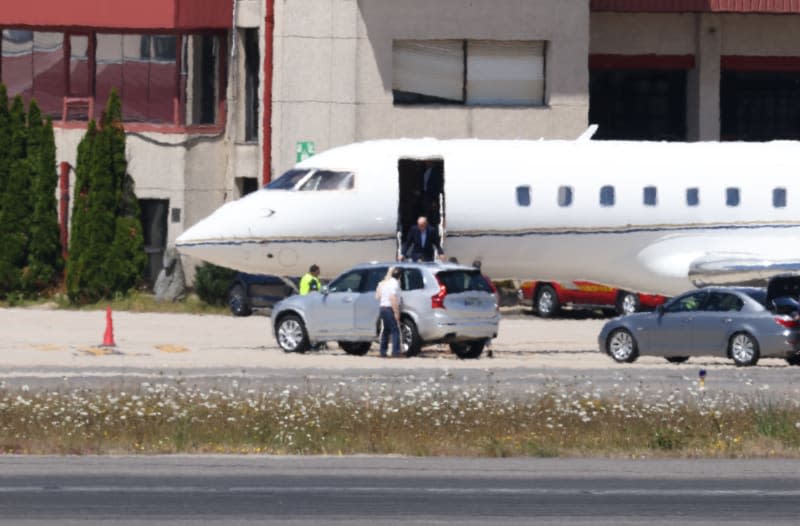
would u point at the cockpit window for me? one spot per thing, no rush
(328, 180)
(288, 180)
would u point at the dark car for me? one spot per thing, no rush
(258, 291)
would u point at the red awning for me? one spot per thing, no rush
(683, 6)
(119, 14)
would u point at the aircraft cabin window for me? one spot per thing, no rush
(328, 180)
(650, 195)
(564, 195)
(287, 181)
(779, 197)
(732, 197)
(607, 196)
(692, 196)
(524, 195)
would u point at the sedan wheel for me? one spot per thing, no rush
(622, 347)
(292, 334)
(744, 349)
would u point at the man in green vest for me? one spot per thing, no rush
(310, 281)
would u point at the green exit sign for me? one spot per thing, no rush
(305, 149)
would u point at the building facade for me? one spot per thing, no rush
(219, 96)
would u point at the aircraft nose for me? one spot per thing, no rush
(229, 226)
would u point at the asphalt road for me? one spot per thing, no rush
(380, 490)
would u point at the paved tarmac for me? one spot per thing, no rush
(235, 490)
(57, 348)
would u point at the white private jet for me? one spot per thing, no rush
(654, 217)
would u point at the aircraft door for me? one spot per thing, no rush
(421, 193)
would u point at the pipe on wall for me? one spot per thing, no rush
(269, 29)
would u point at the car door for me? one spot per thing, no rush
(673, 333)
(366, 306)
(333, 316)
(713, 322)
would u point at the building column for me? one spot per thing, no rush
(703, 119)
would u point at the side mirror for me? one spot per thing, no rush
(325, 290)
(660, 310)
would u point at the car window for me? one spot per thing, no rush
(374, 276)
(456, 281)
(349, 282)
(328, 180)
(686, 303)
(723, 302)
(759, 294)
(288, 180)
(412, 279)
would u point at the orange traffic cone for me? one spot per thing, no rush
(108, 337)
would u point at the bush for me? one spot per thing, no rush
(212, 283)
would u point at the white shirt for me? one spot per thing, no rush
(387, 289)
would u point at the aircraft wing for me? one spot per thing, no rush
(727, 259)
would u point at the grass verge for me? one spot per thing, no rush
(429, 418)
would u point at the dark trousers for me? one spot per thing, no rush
(389, 326)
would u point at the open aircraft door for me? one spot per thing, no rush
(421, 193)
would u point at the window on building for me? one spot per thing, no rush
(779, 197)
(759, 105)
(78, 70)
(732, 196)
(607, 196)
(469, 72)
(630, 104)
(564, 196)
(33, 67)
(692, 196)
(524, 195)
(650, 196)
(252, 68)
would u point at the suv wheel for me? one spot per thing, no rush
(409, 337)
(468, 350)
(237, 301)
(291, 334)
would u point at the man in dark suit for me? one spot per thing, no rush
(421, 241)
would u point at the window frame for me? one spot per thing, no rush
(523, 193)
(178, 124)
(647, 199)
(607, 196)
(780, 197)
(565, 196)
(733, 196)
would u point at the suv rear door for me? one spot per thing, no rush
(467, 294)
(366, 308)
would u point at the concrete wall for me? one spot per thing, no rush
(333, 70)
(187, 170)
(707, 37)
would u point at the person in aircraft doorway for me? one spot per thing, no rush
(422, 242)
(432, 186)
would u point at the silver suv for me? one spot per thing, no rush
(441, 303)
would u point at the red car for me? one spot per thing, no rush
(547, 297)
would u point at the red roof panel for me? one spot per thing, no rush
(119, 14)
(682, 6)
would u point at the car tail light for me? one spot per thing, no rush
(789, 323)
(437, 300)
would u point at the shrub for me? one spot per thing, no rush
(212, 283)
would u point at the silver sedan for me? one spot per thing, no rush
(717, 321)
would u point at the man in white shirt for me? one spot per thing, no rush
(388, 293)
